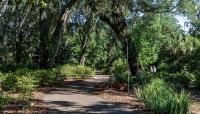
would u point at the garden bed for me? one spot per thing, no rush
(34, 106)
(121, 97)
(115, 95)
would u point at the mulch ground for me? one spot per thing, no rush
(34, 106)
(195, 105)
(122, 97)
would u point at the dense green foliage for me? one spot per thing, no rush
(179, 60)
(47, 77)
(120, 72)
(162, 99)
(180, 79)
(25, 85)
(26, 79)
(9, 82)
(2, 77)
(76, 71)
(4, 99)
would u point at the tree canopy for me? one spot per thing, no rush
(92, 32)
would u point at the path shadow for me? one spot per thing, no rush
(77, 87)
(88, 88)
(98, 108)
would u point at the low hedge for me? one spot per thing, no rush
(76, 71)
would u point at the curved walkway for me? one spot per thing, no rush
(81, 97)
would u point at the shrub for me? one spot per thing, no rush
(25, 83)
(84, 72)
(2, 77)
(4, 99)
(73, 71)
(161, 99)
(17, 81)
(39, 77)
(122, 77)
(120, 72)
(24, 71)
(144, 77)
(12, 80)
(9, 82)
(179, 80)
(47, 77)
(67, 71)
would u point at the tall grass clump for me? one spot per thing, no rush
(162, 99)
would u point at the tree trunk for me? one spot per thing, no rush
(19, 49)
(60, 29)
(132, 56)
(19, 35)
(84, 44)
(82, 59)
(115, 19)
(83, 50)
(118, 23)
(44, 39)
(85, 37)
(58, 35)
(110, 58)
(49, 46)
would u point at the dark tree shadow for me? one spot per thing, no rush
(78, 87)
(98, 108)
(86, 88)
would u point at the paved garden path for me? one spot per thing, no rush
(80, 97)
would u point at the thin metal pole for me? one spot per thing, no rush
(127, 68)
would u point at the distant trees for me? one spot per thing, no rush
(41, 31)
